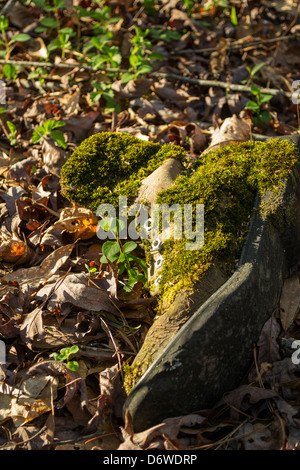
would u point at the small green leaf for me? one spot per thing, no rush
(145, 69)
(59, 138)
(73, 349)
(233, 17)
(73, 365)
(49, 22)
(11, 127)
(10, 71)
(21, 37)
(257, 67)
(122, 258)
(264, 98)
(129, 246)
(255, 90)
(127, 76)
(111, 250)
(253, 106)
(38, 134)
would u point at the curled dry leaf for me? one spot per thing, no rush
(27, 402)
(37, 275)
(54, 157)
(289, 301)
(74, 381)
(132, 89)
(78, 221)
(232, 130)
(37, 48)
(170, 428)
(78, 290)
(15, 252)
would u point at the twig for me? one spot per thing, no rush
(7, 7)
(196, 81)
(216, 83)
(237, 46)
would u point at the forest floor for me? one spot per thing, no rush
(166, 71)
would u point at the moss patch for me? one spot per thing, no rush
(226, 181)
(110, 164)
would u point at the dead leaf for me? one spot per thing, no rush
(15, 252)
(79, 291)
(132, 89)
(54, 157)
(74, 381)
(232, 130)
(289, 301)
(78, 221)
(37, 48)
(37, 275)
(268, 348)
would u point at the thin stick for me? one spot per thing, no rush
(237, 46)
(196, 81)
(7, 7)
(216, 83)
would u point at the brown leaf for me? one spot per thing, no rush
(232, 130)
(15, 252)
(269, 350)
(245, 395)
(74, 381)
(132, 89)
(78, 221)
(37, 275)
(289, 301)
(54, 157)
(32, 326)
(169, 428)
(79, 291)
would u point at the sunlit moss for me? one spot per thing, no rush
(226, 181)
(110, 164)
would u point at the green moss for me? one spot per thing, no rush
(132, 373)
(226, 181)
(110, 164)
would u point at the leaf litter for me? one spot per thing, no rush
(54, 292)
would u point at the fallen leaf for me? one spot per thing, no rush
(37, 275)
(79, 291)
(289, 301)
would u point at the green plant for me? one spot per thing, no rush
(19, 37)
(260, 116)
(252, 72)
(105, 90)
(215, 3)
(39, 74)
(233, 17)
(62, 41)
(10, 71)
(49, 128)
(110, 55)
(116, 252)
(166, 35)
(64, 355)
(140, 56)
(101, 26)
(50, 22)
(13, 133)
